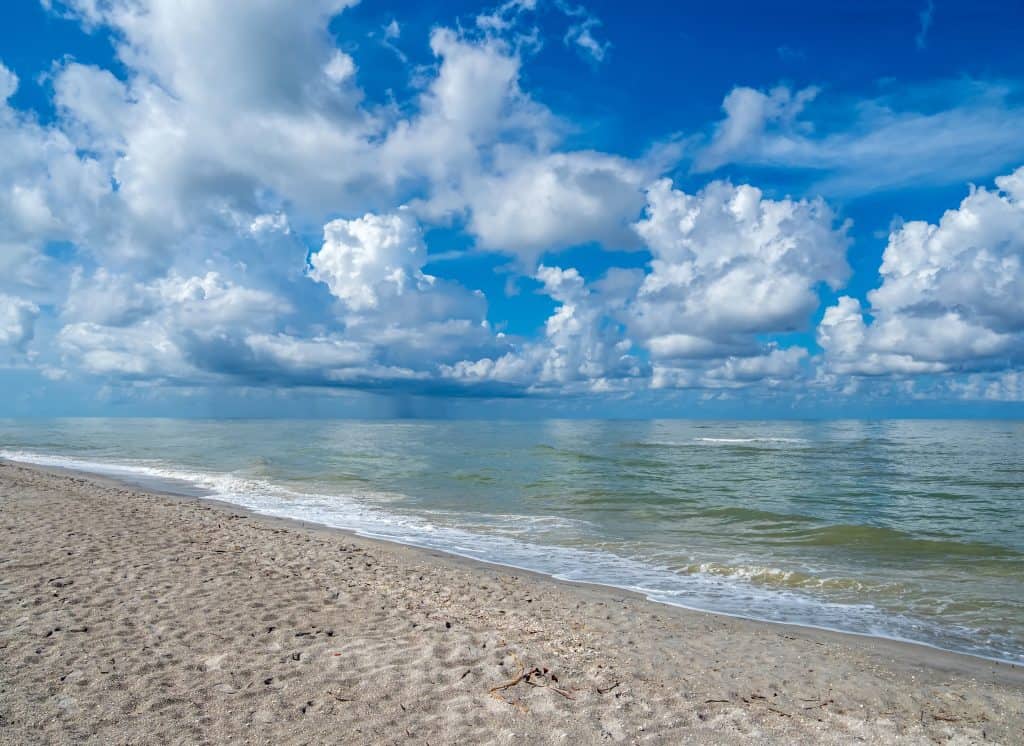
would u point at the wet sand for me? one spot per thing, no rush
(135, 617)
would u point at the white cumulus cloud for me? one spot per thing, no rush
(728, 266)
(175, 327)
(370, 258)
(951, 297)
(17, 322)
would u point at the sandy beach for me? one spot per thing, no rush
(129, 617)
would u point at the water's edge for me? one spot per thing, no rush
(917, 651)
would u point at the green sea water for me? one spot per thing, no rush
(904, 529)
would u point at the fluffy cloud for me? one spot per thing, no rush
(48, 192)
(143, 350)
(773, 367)
(499, 167)
(273, 59)
(94, 105)
(558, 200)
(473, 102)
(583, 341)
(776, 364)
(728, 262)
(1007, 386)
(207, 126)
(729, 266)
(169, 329)
(317, 354)
(951, 298)
(748, 114)
(414, 321)
(17, 322)
(370, 258)
(583, 348)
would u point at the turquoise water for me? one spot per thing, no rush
(905, 529)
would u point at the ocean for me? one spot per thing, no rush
(911, 530)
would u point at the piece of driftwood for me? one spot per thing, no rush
(540, 678)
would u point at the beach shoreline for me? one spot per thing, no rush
(742, 680)
(919, 652)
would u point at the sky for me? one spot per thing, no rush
(538, 208)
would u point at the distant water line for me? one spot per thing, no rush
(904, 529)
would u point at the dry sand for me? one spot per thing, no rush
(128, 617)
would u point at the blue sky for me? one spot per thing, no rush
(527, 209)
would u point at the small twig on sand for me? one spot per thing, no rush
(606, 689)
(510, 683)
(547, 685)
(527, 677)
